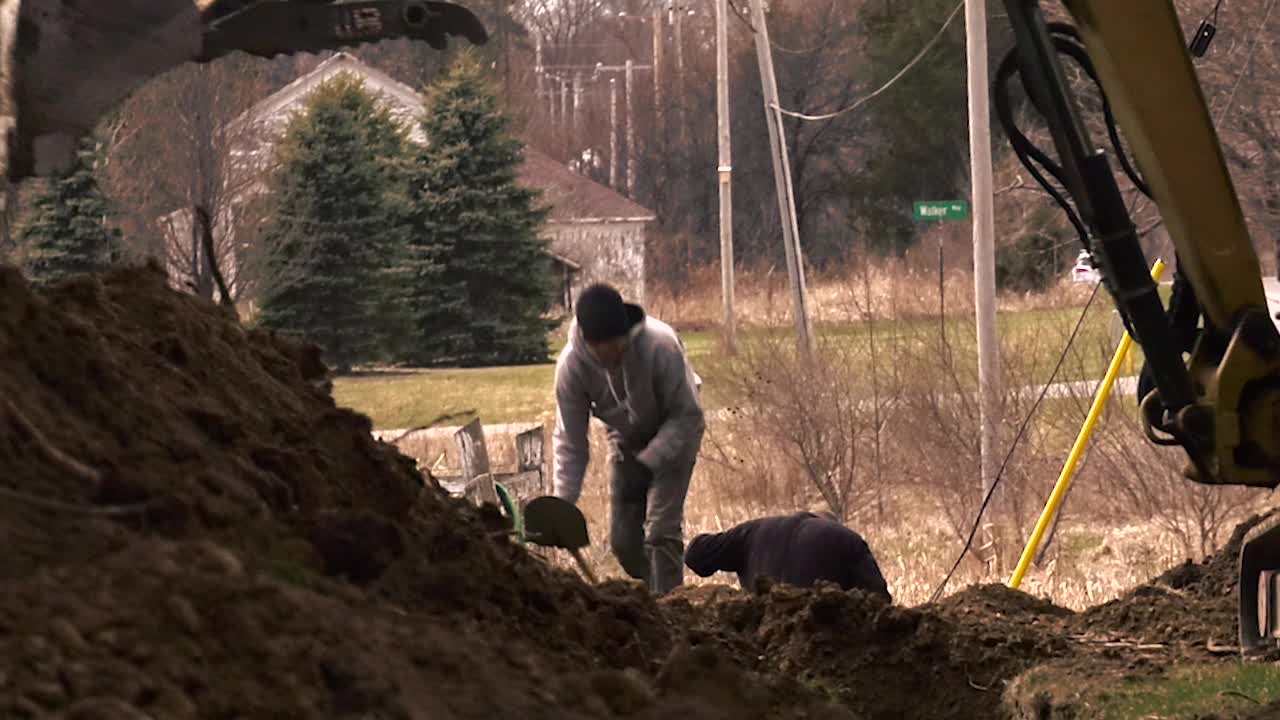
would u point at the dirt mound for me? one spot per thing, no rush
(1192, 606)
(1217, 576)
(193, 529)
(880, 660)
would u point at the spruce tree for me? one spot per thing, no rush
(68, 232)
(484, 281)
(334, 245)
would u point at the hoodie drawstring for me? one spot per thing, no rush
(626, 389)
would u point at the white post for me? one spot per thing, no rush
(782, 178)
(725, 172)
(984, 259)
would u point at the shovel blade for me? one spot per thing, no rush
(552, 522)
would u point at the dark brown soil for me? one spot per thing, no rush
(948, 661)
(1191, 606)
(248, 550)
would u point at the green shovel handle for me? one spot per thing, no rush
(513, 511)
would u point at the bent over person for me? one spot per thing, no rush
(798, 550)
(630, 371)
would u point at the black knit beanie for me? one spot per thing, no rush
(601, 313)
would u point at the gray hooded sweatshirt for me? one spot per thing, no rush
(650, 404)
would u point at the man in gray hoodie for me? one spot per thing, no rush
(630, 371)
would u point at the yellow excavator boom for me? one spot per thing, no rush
(1212, 380)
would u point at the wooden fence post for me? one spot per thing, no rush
(476, 475)
(529, 455)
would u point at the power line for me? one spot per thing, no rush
(1026, 421)
(906, 68)
(738, 14)
(1247, 62)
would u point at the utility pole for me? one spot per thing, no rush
(725, 172)
(657, 65)
(564, 102)
(782, 178)
(984, 258)
(631, 130)
(680, 94)
(613, 133)
(537, 65)
(551, 102)
(577, 101)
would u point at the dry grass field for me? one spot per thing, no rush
(882, 429)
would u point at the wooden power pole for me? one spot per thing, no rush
(631, 130)
(577, 103)
(613, 133)
(657, 64)
(984, 258)
(681, 114)
(725, 171)
(782, 178)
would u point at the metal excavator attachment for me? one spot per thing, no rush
(1260, 589)
(64, 63)
(1212, 379)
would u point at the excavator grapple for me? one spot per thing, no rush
(64, 63)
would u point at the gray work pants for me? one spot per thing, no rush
(646, 521)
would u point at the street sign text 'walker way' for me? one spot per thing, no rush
(942, 210)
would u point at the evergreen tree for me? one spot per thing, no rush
(484, 282)
(335, 244)
(68, 232)
(920, 124)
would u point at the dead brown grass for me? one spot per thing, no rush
(906, 467)
(902, 289)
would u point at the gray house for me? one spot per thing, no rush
(594, 233)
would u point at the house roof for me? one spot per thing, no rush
(575, 197)
(295, 93)
(572, 197)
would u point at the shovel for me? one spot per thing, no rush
(552, 522)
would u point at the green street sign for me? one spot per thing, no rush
(942, 210)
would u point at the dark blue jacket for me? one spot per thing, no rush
(798, 550)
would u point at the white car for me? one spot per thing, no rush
(1084, 271)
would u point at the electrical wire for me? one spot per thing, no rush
(893, 80)
(1066, 41)
(743, 19)
(1253, 48)
(1022, 429)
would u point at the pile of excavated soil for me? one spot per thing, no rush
(1191, 606)
(882, 661)
(193, 529)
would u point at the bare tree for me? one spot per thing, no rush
(174, 150)
(812, 414)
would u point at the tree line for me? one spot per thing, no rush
(378, 249)
(856, 173)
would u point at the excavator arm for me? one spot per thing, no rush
(64, 63)
(1215, 390)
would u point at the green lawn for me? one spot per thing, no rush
(1182, 692)
(1032, 339)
